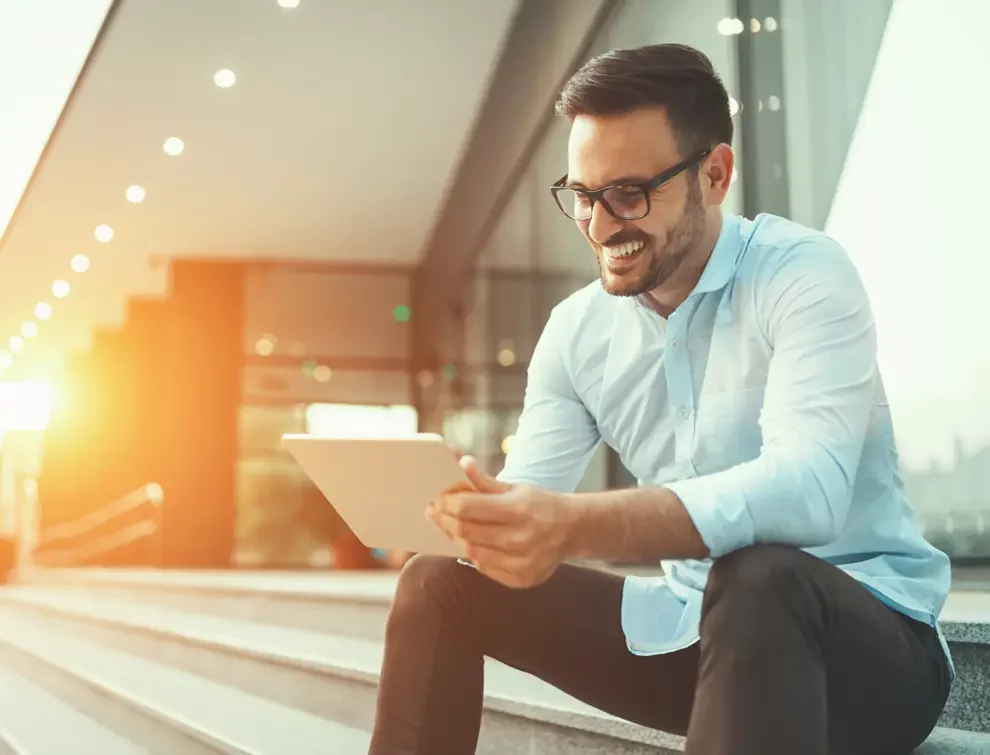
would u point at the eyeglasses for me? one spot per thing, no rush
(622, 201)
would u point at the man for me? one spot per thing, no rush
(732, 365)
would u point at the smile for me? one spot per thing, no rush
(623, 251)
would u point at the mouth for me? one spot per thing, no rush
(622, 256)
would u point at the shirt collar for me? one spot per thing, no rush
(721, 265)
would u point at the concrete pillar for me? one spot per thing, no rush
(201, 396)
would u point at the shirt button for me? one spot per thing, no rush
(674, 344)
(684, 412)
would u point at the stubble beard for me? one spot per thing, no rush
(683, 239)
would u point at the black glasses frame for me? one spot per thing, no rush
(647, 187)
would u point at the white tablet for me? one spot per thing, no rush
(382, 486)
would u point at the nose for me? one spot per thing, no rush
(602, 225)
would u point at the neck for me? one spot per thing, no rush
(670, 294)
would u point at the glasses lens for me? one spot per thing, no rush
(626, 202)
(575, 205)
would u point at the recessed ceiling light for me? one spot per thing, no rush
(60, 289)
(225, 78)
(104, 234)
(135, 194)
(29, 329)
(289, 3)
(174, 146)
(80, 263)
(6, 359)
(43, 311)
(16, 344)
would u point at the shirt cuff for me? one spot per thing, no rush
(718, 509)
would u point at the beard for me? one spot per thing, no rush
(663, 263)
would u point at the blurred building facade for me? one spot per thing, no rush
(197, 389)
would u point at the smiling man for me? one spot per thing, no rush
(732, 365)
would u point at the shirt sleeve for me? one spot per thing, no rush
(557, 435)
(819, 396)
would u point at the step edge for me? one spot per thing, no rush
(134, 702)
(600, 723)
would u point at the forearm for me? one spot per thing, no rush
(637, 524)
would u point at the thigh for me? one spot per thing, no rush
(886, 674)
(568, 631)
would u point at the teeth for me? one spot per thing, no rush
(624, 250)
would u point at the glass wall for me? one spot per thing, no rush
(873, 149)
(326, 351)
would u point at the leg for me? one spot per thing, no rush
(446, 617)
(796, 656)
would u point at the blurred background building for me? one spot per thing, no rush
(226, 221)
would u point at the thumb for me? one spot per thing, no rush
(482, 482)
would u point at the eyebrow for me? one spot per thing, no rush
(620, 181)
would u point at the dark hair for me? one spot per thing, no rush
(678, 78)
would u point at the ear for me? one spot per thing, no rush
(716, 174)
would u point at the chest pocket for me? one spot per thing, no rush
(727, 430)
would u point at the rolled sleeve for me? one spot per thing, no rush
(819, 396)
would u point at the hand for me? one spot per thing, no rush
(514, 534)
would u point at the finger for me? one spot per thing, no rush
(482, 482)
(492, 558)
(481, 507)
(457, 452)
(501, 537)
(461, 487)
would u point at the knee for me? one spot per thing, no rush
(424, 583)
(750, 581)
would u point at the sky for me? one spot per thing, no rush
(43, 44)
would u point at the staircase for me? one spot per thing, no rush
(147, 661)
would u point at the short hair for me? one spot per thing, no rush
(677, 78)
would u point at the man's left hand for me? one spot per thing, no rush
(514, 534)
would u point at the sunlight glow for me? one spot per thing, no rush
(25, 405)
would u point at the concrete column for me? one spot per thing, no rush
(202, 390)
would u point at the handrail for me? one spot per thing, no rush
(147, 494)
(109, 542)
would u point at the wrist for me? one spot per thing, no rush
(573, 512)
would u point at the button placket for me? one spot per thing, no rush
(681, 395)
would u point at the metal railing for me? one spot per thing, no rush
(83, 540)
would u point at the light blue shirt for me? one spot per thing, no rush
(758, 402)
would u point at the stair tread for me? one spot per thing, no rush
(229, 714)
(518, 691)
(35, 722)
(312, 648)
(963, 608)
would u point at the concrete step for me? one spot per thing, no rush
(356, 605)
(33, 721)
(336, 677)
(156, 707)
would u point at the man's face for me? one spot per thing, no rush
(636, 256)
